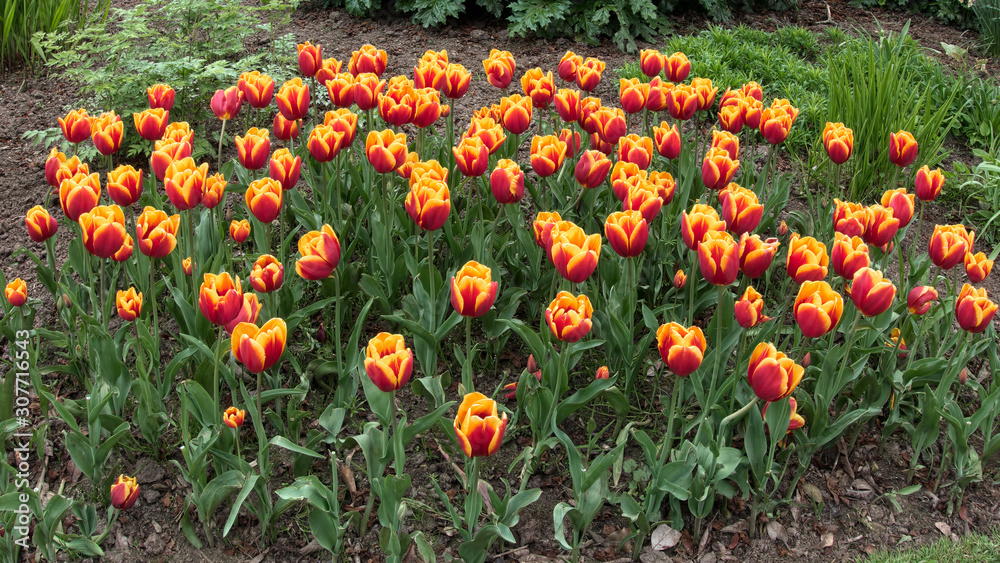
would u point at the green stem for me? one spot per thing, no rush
(215, 375)
(218, 158)
(155, 352)
(194, 265)
(102, 296)
(669, 437)
(846, 359)
(718, 345)
(467, 380)
(736, 415)
(430, 281)
(397, 439)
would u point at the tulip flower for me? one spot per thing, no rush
(588, 74)
(124, 492)
(977, 266)
(239, 230)
(627, 233)
(426, 108)
(838, 141)
(949, 244)
(165, 154)
(542, 226)
(902, 148)
(53, 163)
(677, 67)
(507, 182)
(817, 308)
(478, 428)
(718, 169)
(572, 140)
(254, 148)
(718, 256)
(456, 81)
(385, 150)
(151, 123)
(388, 362)
(706, 92)
(539, 87)
(257, 88)
(667, 141)
(41, 226)
(547, 155)
(268, 274)
(680, 279)
(125, 185)
(515, 113)
(220, 298)
(568, 105)
(79, 194)
(588, 106)
(756, 255)
(160, 96)
(188, 266)
(16, 292)
(610, 124)
(330, 68)
(324, 143)
(643, 197)
(471, 157)
(179, 132)
(807, 259)
(405, 170)
(367, 89)
(284, 129)
(696, 225)
(489, 132)
(881, 227)
(749, 309)
(623, 176)
(284, 169)
(428, 203)
(185, 183)
(103, 230)
(233, 417)
(973, 309)
(340, 88)
(849, 218)
(75, 126)
(592, 169)
(775, 124)
(429, 169)
(727, 141)
(920, 299)
(600, 146)
(928, 183)
(682, 102)
(650, 62)
(129, 304)
(249, 313)
(682, 349)
(574, 253)
(368, 60)
(665, 185)
(263, 198)
(568, 66)
(156, 232)
(752, 110)
(901, 204)
(569, 316)
(772, 375)
(259, 348)
(636, 149)
(320, 252)
(849, 254)
(658, 90)
(871, 293)
(499, 68)
(731, 118)
(740, 209)
(310, 58)
(633, 94)
(795, 420)
(472, 291)
(226, 103)
(293, 99)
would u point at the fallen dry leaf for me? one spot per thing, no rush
(827, 539)
(776, 531)
(664, 537)
(944, 528)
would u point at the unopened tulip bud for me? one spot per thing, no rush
(782, 229)
(532, 365)
(963, 376)
(602, 373)
(806, 360)
(680, 279)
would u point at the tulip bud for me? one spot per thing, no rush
(16, 292)
(806, 360)
(920, 299)
(188, 266)
(676, 67)
(124, 492)
(680, 279)
(500, 68)
(588, 75)
(310, 58)
(568, 66)
(239, 230)
(602, 373)
(233, 417)
(963, 376)
(928, 184)
(65, 302)
(226, 103)
(782, 229)
(902, 148)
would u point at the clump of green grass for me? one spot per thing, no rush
(974, 548)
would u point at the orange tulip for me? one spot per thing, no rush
(752, 110)
(368, 60)
(572, 141)
(610, 124)
(233, 417)
(331, 67)
(920, 299)
(658, 90)
(53, 163)
(574, 253)
(478, 428)
(588, 74)
(568, 105)
(543, 225)
(696, 225)
(728, 142)
(254, 148)
(125, 252)
(718, 169)
(850, 219)
(817, 309)
(103, 230)
(160, 96)
(772, 375)
(124, 492)
(633, 94)
(500, 68)
(599, 145)
(220, 298)
(642, 196)
(667, 140)
(156, 232)
(428, 204)
(456, 81)
(249, 312)
(310, 58)
(719, 258)
(838, 141)
(507, 182)
(539, 87)
(284, 129)
(40, 224)
(706, 92)
(151, 123)
(592, 169)
(259, 348)
(680, 279)
(343, 121)
(568, 66)
(547, 155)
(185, 183)
(429, 169)
(320, 252)
(268, 274)
(589, 106)
(471, 157)
(227, 103)
(902, 148)
(627, 233)
(676, 67)
(949, 244)
(166, 154)
(849, 254)
(775, 124)
(636, 149)
(871, 293)
(665, 185)
(489, 132)
(901, 204)
(405, 170)
(515, 113)
(973, 309)
(178, 131)
(731, 118)
(650, 62)
(367, 89)
(284, 168)
(807, 259)
(293, 99)
(569, 316)
(106, 132)
(340, 87)
(881, 227)
(756, 255)
(624, 175)
(79, 194)
(75, 126)
(324, 143)
(682, 349)
(388, 362)
(682, 102)
(239, 230)
(188, 266)
(426, 108)
(749, 310)
(928, 184)
(257, 88)
(263, 199)
(977, 266)
(385, 150)
(740, 209)
(125, 185)
(472, 291)
(129, 304)
(16, 292)
(795, 421)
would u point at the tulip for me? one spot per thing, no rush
(643, 197)
(405, 170)
(682, 349)
(633, 95)
(53, 163)
(366, 91)
(124, 492)
(330, 68)
(569, 317)
(507, 182)
(226, 103)
(547, 155)
(426, 108)
(658, 90)
(592, 169)
(263, 199)
(928, 184)
(881, 225)
(293, 99)
(572, 141)
(541, 88)
(489, 132)
(749, 309)
(515, 113)
(817, 308)
(542, 226)
(233, 417)
(850, 219)
(129, 304)
(785, 106)
(185, 183)
(627, 233)
(973, 309)
(259, 348)
(151, 123)
(625, 175)
(471, 157)
(920, 299)
(588, 106)
(284, 129)
(428, 204)
(156, 232)
(682, 102)
(849, 254)
(949, 244)
(160, 96)
(456, 81)
(499, 68)
(340, 88)
(977, 266)
(574, 253)
(650, 62)
(249, 312)
(268, 274)
(665, 185)
(188, 266)
(752, 110)
(257, 88)
(731, 118)
(320, 252)
(478, 428)
(125, 185)
(636, 149)
(706, 92)
(165, 154)
(795, 421)
(125, 252)
(756, 255)
(253, 149)
(588, 74)
(220, 298)
(902, 148)
(600, 146)
(740, 209)
(696, 225)
(79, 194)
(41, 226)
(324, 143)
(726, 141)
(680, 280)
(239, 230)
(718, 169)
(429, 169)
(103, 230)
(838, 141)
(75, 126)
(16, 292)
(718, 256)
(676, 67)
(610, 124)
(568, 105)
(772, 375)
(667, 140)
(472, 291)
(568, 66)
(388, 362)
(310, 58)
(807, 259)
(901, 204)
(368, 60)
(871, 293)
(775, 125)
(385, 150)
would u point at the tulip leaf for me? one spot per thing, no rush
(755, 442)
(411, 431)
(287, 444)
(777, 418)
(235, 510)
(529, 336)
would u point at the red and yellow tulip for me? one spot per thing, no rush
(574, 253)
(16, 292)
(756, 255)
(41, 226)
(849, 254)
(320, 252)
(129, 304)
(478, 428)
(472, 290)
(220, 298)
(103, 230)
(507, 182)
(259, 348)
(627, 233)
(871, 293)
(156, 232)
(268, 274)
(719, 258)
(682, 349)
(388, 362)
(569, 316)
(428, 203)
(124, 492)
(817, 308)
(973, 309)
(902, 148)
(771, 374)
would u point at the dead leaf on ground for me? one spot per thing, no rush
(664, 537)
(827, 539)
(776, 531)
(944, 528)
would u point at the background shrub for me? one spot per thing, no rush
(23, 18)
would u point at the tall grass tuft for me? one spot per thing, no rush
(988, 13)
(23, 18)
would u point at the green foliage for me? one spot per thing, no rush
(951, 11)
(980, 120)
(988, 14)
(22, 19)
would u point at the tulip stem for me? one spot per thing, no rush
(397, 440)
(430, 284)
(847, 350)
(718, 346)
(467, 373)
(218, 158)
(669, 437)
(112, 518)
(336, 325)
(155, 352)
(736, 415)
(472, 484)
(236, 438)
(916, 341)
(692, 281)
(194, 267)
(215, 376)
(102, 296)
(340, 218)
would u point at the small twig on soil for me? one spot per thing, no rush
(829, 17)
